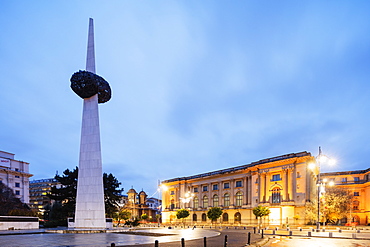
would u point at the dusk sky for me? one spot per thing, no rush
(197, 86)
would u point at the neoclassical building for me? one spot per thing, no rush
(357, 183)
(283, 183)
(15, 174)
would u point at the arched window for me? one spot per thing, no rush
(356, 205)
(226, 200)
(205, 201)
(196, 202)
(215, 200)
(172, 204)
(204, 217)
(194, 217)
(237, 217)
(239, 199)
(276, 195)
(225, 217)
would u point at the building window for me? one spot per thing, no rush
(226, 185)
(17, 192)
(225, 217)
(16, 176)
(238, 184)
(172, 192)
(196, 189)
(356, 193)
(237, 217)
(226, 200)
(276, 177)
(204, 217)
(205, 201)
(215, 200)
(17, 185)
(215, 187)
(172, 204)
(196, 202)
(16, 169)
(194, 217)
(239, 199)
(344, 180)
(205, 188)
(356, 205)
(276, 195)
(357, 179)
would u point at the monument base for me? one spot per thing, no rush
(108, 222)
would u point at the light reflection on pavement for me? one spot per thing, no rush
(281, 241)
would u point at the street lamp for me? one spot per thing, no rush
(321, 158)
(188, 197)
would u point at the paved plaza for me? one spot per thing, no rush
(146, 237)
(165, 237)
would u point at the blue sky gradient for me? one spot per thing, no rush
(197, 85)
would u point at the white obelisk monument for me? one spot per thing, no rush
(90, 211)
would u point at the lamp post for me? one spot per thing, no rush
(321, 158)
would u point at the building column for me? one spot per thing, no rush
(286, 185)
(250, 190)
(265, 189)
(294, 189)
(260, 186)
(291, 187)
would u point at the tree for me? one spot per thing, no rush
(11, 205)
(334, 204)
(123, 214)
(261, 211)
(112, 194)
(214, 213)
(66, 195)
(144, 217)
(182, 214)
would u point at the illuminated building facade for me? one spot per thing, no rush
(38, 190)
(15, 174)
(357, 183)
(139, 204)
(283, 183)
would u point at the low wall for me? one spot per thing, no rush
(18, 222)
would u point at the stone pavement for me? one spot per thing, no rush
(172, 237)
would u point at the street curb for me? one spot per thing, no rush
(260, 243)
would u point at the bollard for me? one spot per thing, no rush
(249, 238)
(290, 233)
(300, 229)
(182, 242)
(225, 244)
(254, 230)
(112, 245)
(309, 234)
(273, 232)
(262, 233)
(205, 242)
(156, 243)
(330, 234)
(340, 230)
(244, 228)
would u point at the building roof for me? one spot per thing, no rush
(242, 167)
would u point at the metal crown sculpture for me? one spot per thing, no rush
(86, 84)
